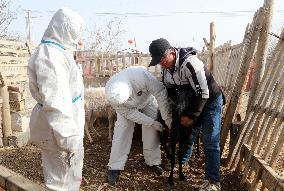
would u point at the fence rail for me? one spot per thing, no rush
(106, 65)
(263, 128)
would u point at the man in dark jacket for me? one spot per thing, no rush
(180, 66)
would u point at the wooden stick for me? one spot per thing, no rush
(264, 131)
(278, 146)
(269, 78)
(265, 91)
(274, 133)
(255, 142)
(262, 47)
(123, 61)
(212, 46)
(116, 64)
(249, 47)
(258, 134)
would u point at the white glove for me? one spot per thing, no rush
(157, 125)
(169, 122)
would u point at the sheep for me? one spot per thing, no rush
(182, 98)
(96, 107)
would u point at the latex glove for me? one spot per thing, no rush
(157, 125)
(169, 122)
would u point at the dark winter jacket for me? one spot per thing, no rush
(189, 70)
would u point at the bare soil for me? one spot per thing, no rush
(136, 176)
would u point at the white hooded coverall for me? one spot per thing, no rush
(141, 107)
(57, 121)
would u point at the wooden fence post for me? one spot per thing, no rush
(270, 78)
(249, 43)
(116, 63)
(212, 47)
(262, 48)
(123, 61)
(7, 130)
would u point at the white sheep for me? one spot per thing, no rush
(96, 107)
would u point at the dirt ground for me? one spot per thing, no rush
(136, 176)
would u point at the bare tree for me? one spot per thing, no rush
(6, 17)
(107, 38)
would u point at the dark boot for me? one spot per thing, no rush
(113, 176)
(157, 169)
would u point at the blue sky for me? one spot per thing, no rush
(182, 22)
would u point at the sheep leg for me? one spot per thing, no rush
(110, 127)
(180, 155)
(93, 117)
(88, 123)
(173, 147)
(88, 134)
(88, 118)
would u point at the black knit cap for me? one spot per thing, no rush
(157, 50)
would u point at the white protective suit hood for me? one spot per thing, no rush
(57, 121)
(65, 28)
(118, 92)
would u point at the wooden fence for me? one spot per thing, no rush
(261, 139)
(106, 65)
(249, 43)
(226, 63)
(258, 149)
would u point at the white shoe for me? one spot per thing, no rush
(208, 186)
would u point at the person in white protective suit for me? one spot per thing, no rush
(135, 94)
(57, 120)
